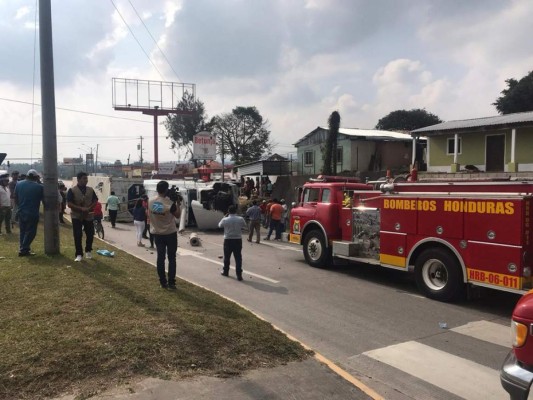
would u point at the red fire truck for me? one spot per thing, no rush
(448, 234)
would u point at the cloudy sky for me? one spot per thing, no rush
(295, 60)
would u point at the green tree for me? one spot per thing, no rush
(403, 120)
(182, 127)
(330, 153)
(334, 123)
(242, 134)
(327, 154)
(518, 97)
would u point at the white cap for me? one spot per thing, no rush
(32, 172)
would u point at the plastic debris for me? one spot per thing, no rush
(443, 325)
(105, 253)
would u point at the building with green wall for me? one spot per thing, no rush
(503, 143)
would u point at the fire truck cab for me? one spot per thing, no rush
(449, 234)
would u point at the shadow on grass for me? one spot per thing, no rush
(190, 296)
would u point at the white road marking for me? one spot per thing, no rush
(487, 331)
(280, 246)
(456, 375)
(185, 252)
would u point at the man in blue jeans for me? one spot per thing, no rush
(233, 226)
(29, 194)
(163, 211)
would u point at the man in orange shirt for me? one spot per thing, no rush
(275, 211)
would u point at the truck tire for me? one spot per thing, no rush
(438, 275)
(315, 251)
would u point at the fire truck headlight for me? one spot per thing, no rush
(518, 333)
(526, 272)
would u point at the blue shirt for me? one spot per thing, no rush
(254, 213)
(29, 195)
(232, 225)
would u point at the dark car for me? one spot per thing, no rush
(516, 374)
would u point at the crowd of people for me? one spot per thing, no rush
(258, 188)
(154, 219)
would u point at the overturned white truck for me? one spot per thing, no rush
(203, 204)
(128, 190)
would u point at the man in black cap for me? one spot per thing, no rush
(28, 197)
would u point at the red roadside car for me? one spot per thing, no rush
(516, 374)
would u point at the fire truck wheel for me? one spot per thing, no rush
(438, 275)
(315, 251)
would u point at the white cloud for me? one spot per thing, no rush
(22, 12)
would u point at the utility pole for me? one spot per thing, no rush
(96, 161)
(51, 212)
(222, 153)
(141, 148)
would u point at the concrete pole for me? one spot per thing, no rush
(513, 145)
(51, 205)
(455, 148)
(222, 154)
(413, 157)
(156, 150)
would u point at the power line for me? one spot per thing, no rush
(164, 56)
(77, 111)
(72, 136)
(145, 53)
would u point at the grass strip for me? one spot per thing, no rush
(82, 328)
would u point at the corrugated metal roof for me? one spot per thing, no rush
(373, 134)
(516, 118)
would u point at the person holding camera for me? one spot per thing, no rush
(162, 210)
(233, 225)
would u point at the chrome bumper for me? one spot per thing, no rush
(515, 379)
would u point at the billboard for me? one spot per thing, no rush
(72, 160)
(204, 146)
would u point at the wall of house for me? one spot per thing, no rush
(524, 146)
(395, 155)
(472, 152)
(346, 145)
(314, 169)
(361, 153)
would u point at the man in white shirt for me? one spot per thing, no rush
(233, 226)
(5, 203)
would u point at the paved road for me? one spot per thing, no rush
(371, 322)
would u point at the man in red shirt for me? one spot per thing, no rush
(275, 211)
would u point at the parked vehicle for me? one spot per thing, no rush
(516, 374)
(449, 234)
(128, 190)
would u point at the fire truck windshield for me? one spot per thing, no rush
(311, 195)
